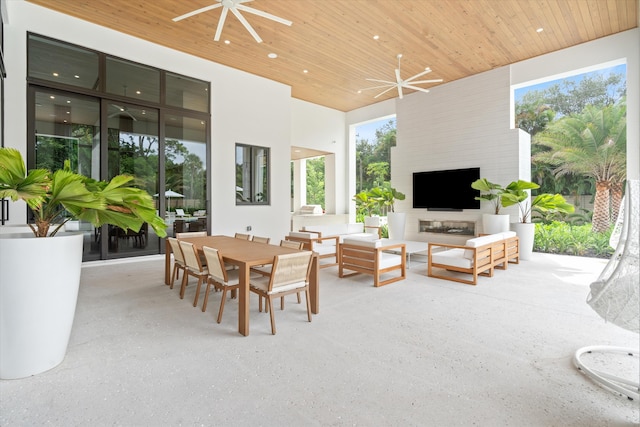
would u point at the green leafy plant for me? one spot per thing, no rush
(57, 197)
(386, 197)
(377, 200)
(489, 192)
(516, 192)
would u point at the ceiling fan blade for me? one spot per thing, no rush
(223, 16)
(384, 91)
(382, 81)
(246, 25)
(426, 81)
(130, 115)
(421, 89)
(195, 12)
(398, 79)
(264, 14)
(400, 91)
(118, 107)
(378, 87)
(426, 71)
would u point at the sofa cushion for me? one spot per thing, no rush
(453, 257)
(302, 235)
(387, 260)
(481, 241)
(364, 242)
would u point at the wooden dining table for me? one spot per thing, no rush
(246, 254)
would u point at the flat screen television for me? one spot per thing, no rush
(446, 190)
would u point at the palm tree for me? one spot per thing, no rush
(592, 144)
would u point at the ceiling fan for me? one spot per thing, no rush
(121, 111)
(399, 83)
(235, 6)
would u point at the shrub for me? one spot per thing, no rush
(559, 237)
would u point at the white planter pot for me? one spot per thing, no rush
(38, 294)
(526, 233)
(492, 223)
(396, 222)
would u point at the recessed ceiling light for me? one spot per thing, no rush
(359, 91)
(76, 76)
(68, 101)
(376, 37)
(138, 92)
(305, 71)
(539, 30)
(227, 42)
(55, 74)
(272, 55)
(52, 97)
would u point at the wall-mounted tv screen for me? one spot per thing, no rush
(446, 190)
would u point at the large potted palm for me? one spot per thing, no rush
(41, 268)
(517, 192)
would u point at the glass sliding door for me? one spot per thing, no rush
(132, 149)
(185, 149)
(67, 127)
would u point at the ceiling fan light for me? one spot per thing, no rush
(272, 55)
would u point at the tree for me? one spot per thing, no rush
(592, 144)
(315, 181)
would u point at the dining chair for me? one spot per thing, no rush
(242, 236)
(193, 268)
(178, 259)
(192, 234)
(259, 239)
(265, 270)
(290, 274)
(219, 277)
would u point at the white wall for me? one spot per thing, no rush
(462, 124)
(321, 128)
(244, 108)
(467, 123)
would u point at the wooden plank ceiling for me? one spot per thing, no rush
(334, 39)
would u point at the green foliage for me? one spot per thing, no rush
(315, 181)
(62, 195)
(563, 238)
(377, 201)
(489, 192)
(516, 192)
(373, 158)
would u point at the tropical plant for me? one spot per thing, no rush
(490, 192)
(56, 197)
(365, 203)
(386, 197)
(592, 143)
(516, 192)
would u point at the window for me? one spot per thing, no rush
(252, 175)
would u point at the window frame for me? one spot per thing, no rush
(254, 170)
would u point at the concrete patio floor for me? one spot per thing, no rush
(420, 352)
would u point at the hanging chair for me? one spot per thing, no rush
(615, 296)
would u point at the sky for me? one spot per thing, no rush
(617, 69)
(368, 131)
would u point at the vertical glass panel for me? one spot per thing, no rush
(132, 80)
(62, 63)
(68, 128)
(185, 174)
(252, 175)
(133, 149)
(185, 92)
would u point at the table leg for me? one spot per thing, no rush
(167, 262)
(243, 300)
(314, 288)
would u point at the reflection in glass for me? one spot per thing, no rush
(62, 63)
(67, 128)
(185, 92)
(133, 150)
(132, 80)
(185, 174)
(252, 175)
